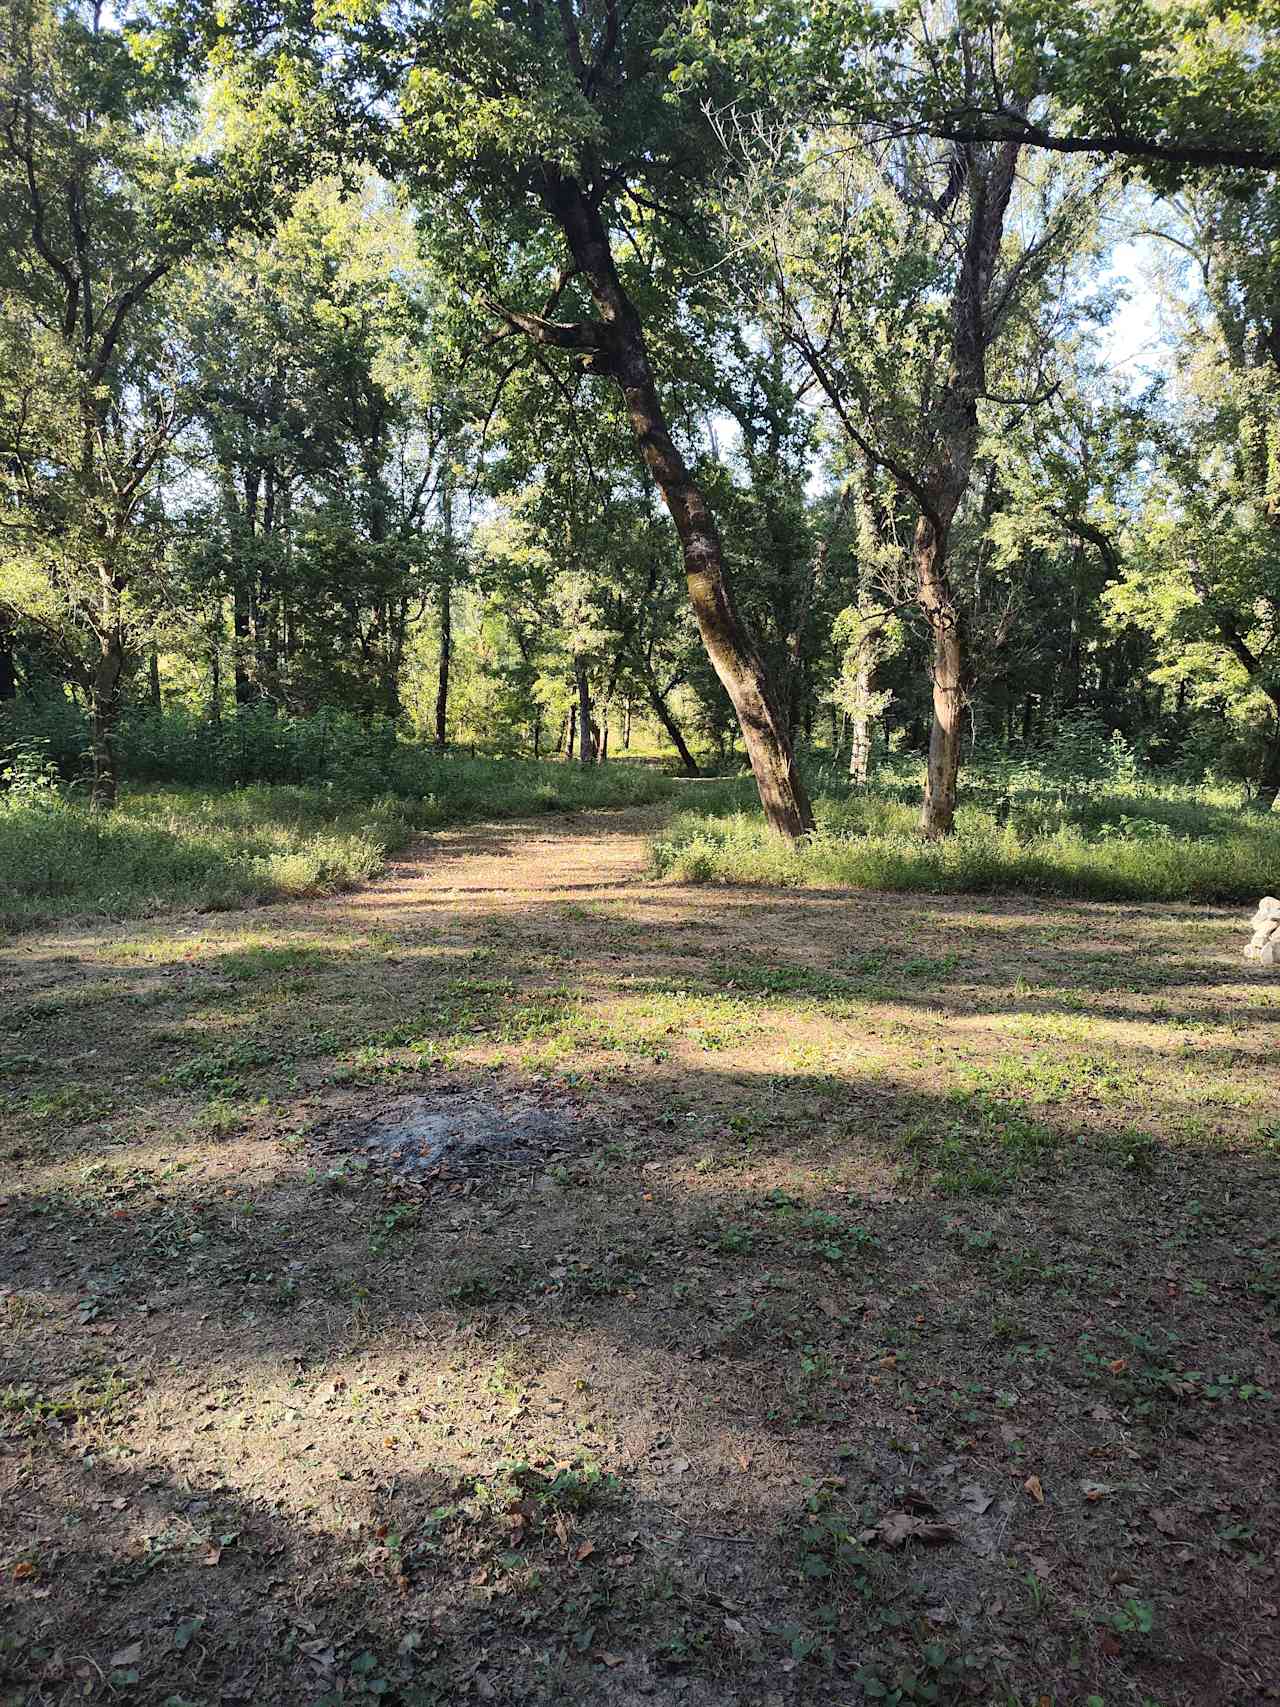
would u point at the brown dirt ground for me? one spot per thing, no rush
(895, 1319)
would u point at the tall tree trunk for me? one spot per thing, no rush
(620, 350)
(657, 700)
(1269, 774)
(153, 682)
(626, 724)
(586, 741)
(860, 722)
(215, 681)
(241, 631)
(104, 707)
(571, 729)
(938, 810)
(602, 745)
(446, 619)
(8, 668)
(446, 658)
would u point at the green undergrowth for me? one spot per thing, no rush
(1136, 844)
(177, 848)
(183, 848)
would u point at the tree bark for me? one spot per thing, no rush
(674, 732)
(586, 736)
(241, 629)
(153, 682)
(1269, 773)
(8, 668)
(104, 706)
(938, 809)
(446, 620)
(860, 725)
(446, 656)
(619, 350)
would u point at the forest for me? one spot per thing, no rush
(639, 724)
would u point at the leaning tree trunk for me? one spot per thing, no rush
(937, 815)
(619, 350)
(674, 732)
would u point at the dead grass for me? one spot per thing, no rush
(880, 1218)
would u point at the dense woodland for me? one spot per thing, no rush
(609, 379)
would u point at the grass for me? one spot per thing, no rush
(209, 849)
(1122, 842)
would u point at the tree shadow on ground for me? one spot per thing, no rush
(791, 1274)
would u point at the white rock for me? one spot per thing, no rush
(1269, 953)
(1268, 908)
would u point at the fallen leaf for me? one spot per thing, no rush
(128, 1656)
(212, 1555)
(1167, 1521)
(975, 1498)
(585, 1551)
(1109, 1646)
(1094, 1491)
(1118, 1365)
(896, 1527)
(678, 1466)
(611, 1659)
(899, 1526)
(1032, 1486)
(23, 1571)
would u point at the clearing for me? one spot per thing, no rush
(870, 1297)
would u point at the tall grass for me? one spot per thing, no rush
(1036, 833)
(182, 847)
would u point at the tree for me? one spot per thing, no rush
(891, 278)
(1203, 577)
(331, 414)
(518, 122)
(108, 188)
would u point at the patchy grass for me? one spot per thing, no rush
(1115, 844)
(894, 1315)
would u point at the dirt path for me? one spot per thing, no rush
(876, 1293)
